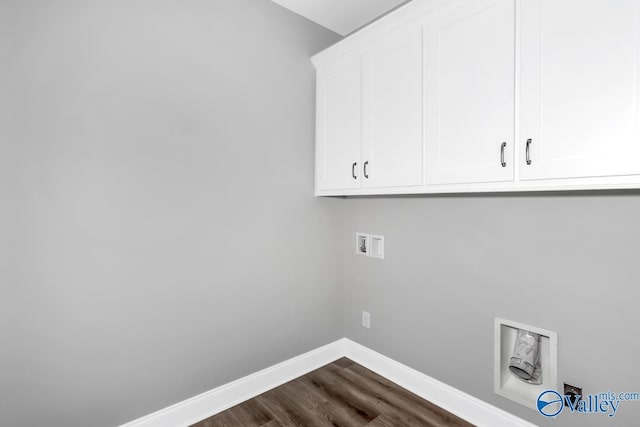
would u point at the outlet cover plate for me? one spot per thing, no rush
(366, 320)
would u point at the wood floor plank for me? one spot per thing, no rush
(305, 405)
(341, 394)
(403, 399)
(271, 402)
(343, 362)
(335, 415)
(381, 421)
(377, 403)
(338, 404)
(339, 413)
(287, 411)
(250, 413)
(301, 391)
(223, 419)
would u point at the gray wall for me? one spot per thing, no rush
(565, 262)
(159, 231)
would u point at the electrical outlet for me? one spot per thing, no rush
(366, 320)
(574, 393)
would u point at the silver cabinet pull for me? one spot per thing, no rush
(353, 171)
(365, 169)
(529, 141)
(502, 162)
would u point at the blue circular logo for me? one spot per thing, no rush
(550, 403)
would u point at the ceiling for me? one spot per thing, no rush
(341, 16)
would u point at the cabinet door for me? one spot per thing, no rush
(339, 124)
(470, 91)
(579, 78)
(392, 122)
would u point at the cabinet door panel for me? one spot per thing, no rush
(393, 109)
(470, 91)
(579, 77)
(339, 124)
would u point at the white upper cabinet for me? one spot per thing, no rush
(369, 117)
(470, 91)
(579, 88)
(338, 124)
(447, 96)
(392, 110)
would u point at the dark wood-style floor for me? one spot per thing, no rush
(342, 393)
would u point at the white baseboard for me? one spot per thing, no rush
(211, 402)
(457, 402)
(203, 406)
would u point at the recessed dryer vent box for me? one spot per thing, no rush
(508, 385)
